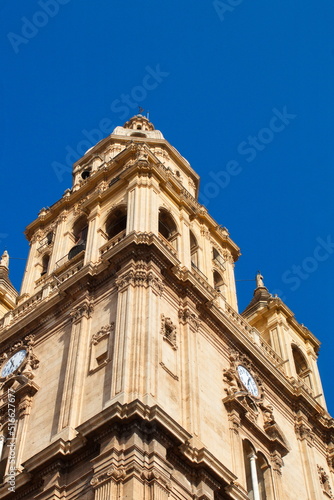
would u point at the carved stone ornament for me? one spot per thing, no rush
(231, 378)
(268, 415)
(152, 475)
(235, 421)
(191, 183)
(168, 330)
(78, 207)
(82, 310)
(24, 406)
(205, 232)
(228, 256)
(324, 481)
(62, 217)
(276, 461)
(103, 185)
(100, 348)
(270, 425)
(140, 278)
(102, 333)
(116, 474)
(142, 152)
(37, 236)
(303, 431)
(330, 457)
(232, 382)
(186, 316)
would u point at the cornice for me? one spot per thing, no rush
(45, 459)
(180, 444)
(126, 140)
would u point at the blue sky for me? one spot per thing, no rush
(243, 91)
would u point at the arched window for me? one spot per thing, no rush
(45, 264)
(218, 258)
(302, 369)
(138, 134)
(79, 231)
(167, 227)
(264, 477)
(258, 476)
(193, 249)
(49, 238)
(116, 222)
(218, 281)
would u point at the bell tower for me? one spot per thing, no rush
(131, 371)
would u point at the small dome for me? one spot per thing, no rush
(139, 122)
(138, 126)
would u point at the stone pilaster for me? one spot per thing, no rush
(276, 475)
(59, 248)
(75, 369)
(238, 466)
(190, 324)
(136, 334)
(231, 289)
(305, 438)
(92, 251)
(143, 205)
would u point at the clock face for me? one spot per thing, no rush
(13, 363)
(248, 381)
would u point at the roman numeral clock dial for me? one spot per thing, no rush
(248, 381)
(13, 363)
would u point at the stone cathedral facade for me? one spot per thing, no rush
(126, 370)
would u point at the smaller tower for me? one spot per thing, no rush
(8, 293)
(291, 340)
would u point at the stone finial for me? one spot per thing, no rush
(4, 261)
(259, 280)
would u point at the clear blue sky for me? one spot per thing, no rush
(244, 92)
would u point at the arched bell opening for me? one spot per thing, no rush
(116, 222)
(79, 232)
(167, 227)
